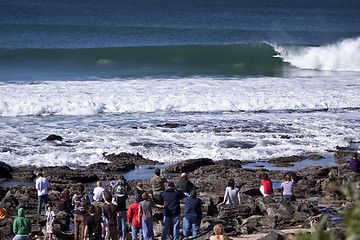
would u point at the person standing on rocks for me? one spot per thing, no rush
(80, 201)
(110, 212)
(42, 185)
(50, 219)
(145, 211)
(184, 184)
(22, 226)
(232, 194)
(158, 186)
(134, 219)
(94, 225)
(354, 163)
(121, 189)
(288, 188)
(266, 186)
(99, 193)
(172, 210)
(192, 215)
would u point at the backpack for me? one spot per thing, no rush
(121, 189)
(80, 202)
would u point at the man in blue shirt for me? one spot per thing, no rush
(172, 210)
(192, 215)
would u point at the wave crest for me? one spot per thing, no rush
(341, 56)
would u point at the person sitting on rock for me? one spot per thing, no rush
(266, 186)
(185, 185)
(354, 163)
(219, 232)
(232, 194)
(22, 226)
(288, 188)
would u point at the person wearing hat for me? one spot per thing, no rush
(185, 185)
(50, 219)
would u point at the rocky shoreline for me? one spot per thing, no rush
(256, 215)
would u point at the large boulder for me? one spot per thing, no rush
(66, 175)
(5, 170)
(188, 165)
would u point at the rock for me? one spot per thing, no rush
(121, 162)
(234, 211)
(171, 125)
(54, 137)
(66, 175)
(5, 170)
(286, 160)
(237, 144)
(188, 165)
(24, 176)
(273, 236)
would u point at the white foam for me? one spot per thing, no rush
(178, 95)
(342, 56)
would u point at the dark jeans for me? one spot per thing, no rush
(43, 198)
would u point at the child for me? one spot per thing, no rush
(50, 219)
(133, 216)
(105, 235)
(145, 216)
(266, 186)
(219, 232)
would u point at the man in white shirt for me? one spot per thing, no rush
(42, 185)
(99, 193)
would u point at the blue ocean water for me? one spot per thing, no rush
(108, 76)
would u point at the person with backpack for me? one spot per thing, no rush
(80, 201)
(94, 224)
(121, 191)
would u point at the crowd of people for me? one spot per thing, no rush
(108, 215)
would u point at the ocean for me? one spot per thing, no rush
(176, 80)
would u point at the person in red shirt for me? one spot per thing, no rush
(133, 216)
(266, 186)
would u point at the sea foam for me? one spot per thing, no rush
(178, 95)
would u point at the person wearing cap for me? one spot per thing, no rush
(42, 185)
(50, 219)
(22, 226)
(172, 210)
(184, 184)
